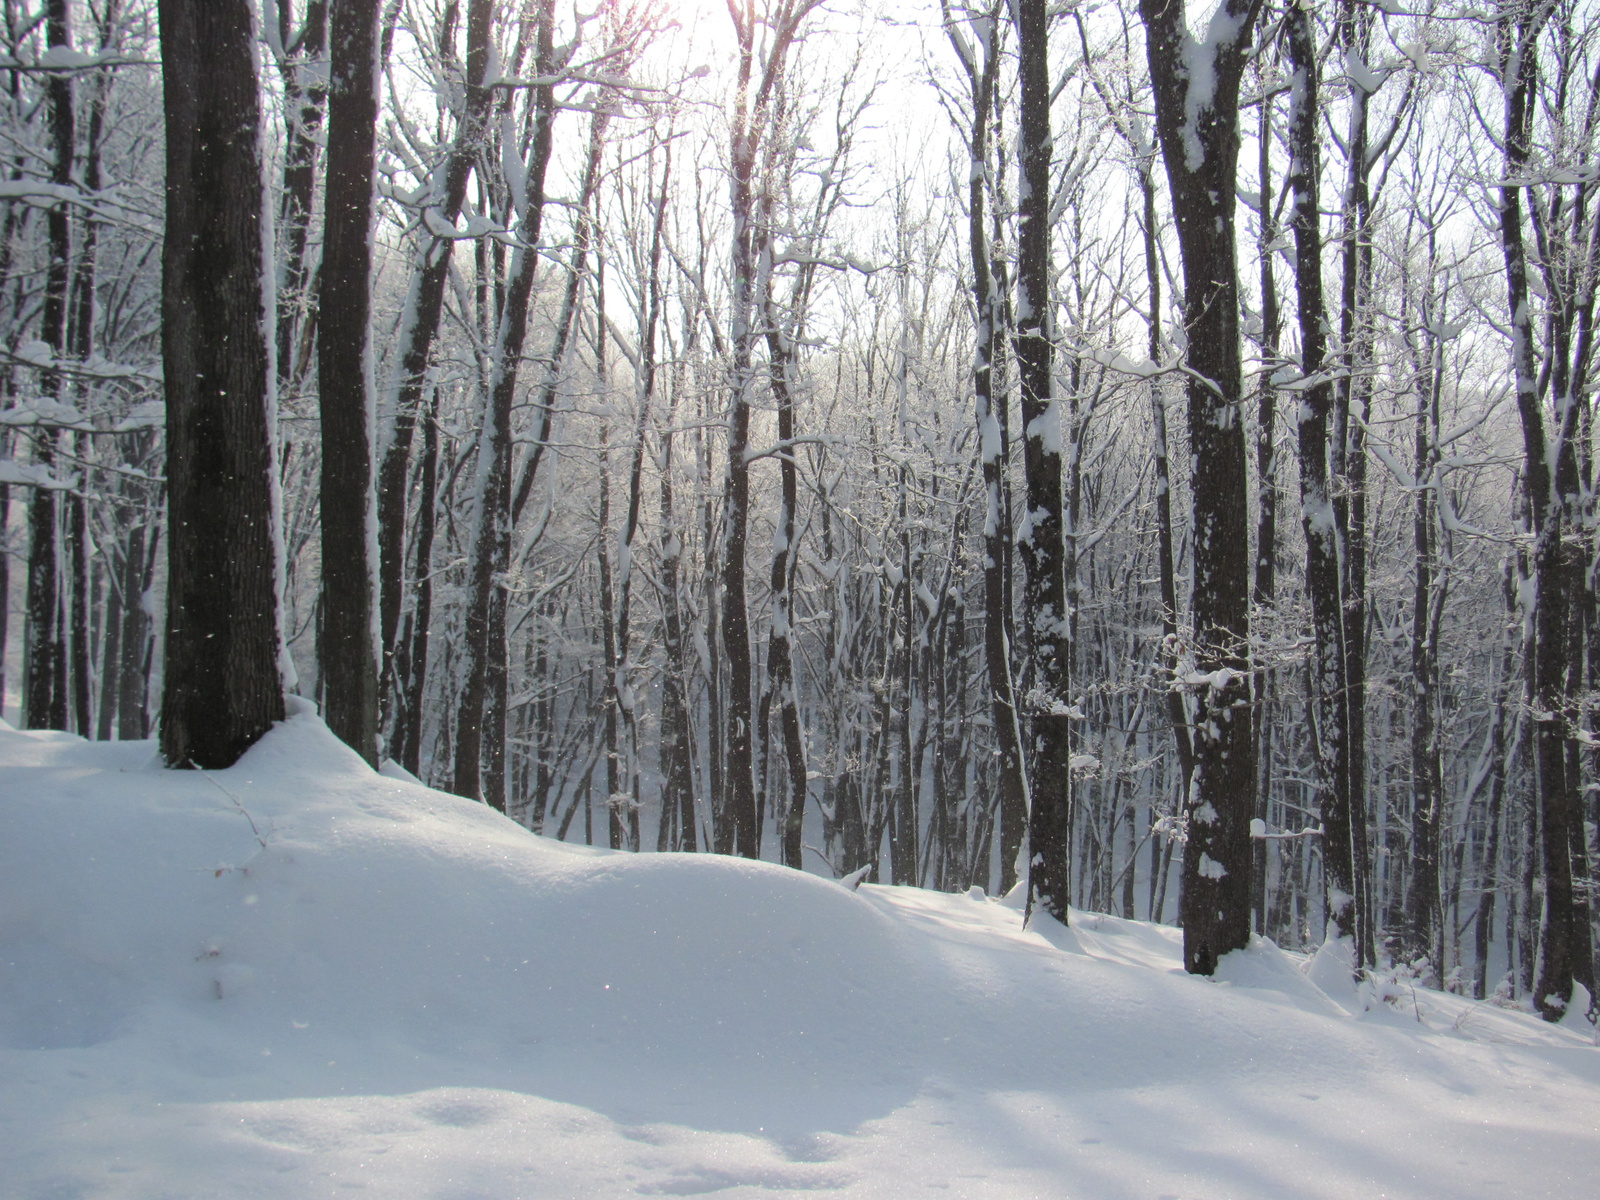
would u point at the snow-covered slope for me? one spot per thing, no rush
(298, 978)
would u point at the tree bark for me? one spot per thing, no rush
(222, 687)
(982, 65)
(419, 325)
(46, 695)
(1549, 483)
(305, 96)
(1197, 118)
(1043, 537)
(758, 76)
(1322, 530)
(1424, 916)
(414, 678)
(344, 360)
(1352, 398)
(490, 545)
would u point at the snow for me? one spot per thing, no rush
(1199, 64)
(32, 475)
(299, 977)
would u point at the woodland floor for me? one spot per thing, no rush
(298, 978)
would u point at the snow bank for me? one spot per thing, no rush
(298, 976)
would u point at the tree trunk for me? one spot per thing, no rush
(780, 656)
(419, 325)
(1349, 465)
(677, 779)
(982, 71)
(1043, 537)
(1316, 502)
(415, 678)
(1548, 495)
(490, 544)
(222, 687)
(1197, 118)
(46, 701)
(305, 95)
(1264, 595)
(1425, 920)
(344, 380)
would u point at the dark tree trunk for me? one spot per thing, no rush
(677, 786)
(626, 694)
(222, 687)
(415, 679)
(111, 639)
(344, 380)
(83, 330)
(77, 530)
(1199, 140)
(1349, 466)
(133, 676)
(757, 80)
(304, 100)
(677, 831)
(982, 68)
(1550, 496)
(780, 656)
(490, 546)
(1424, 915)
(45, 697)
(740, 835)
(1264, 594)
(418, 327)
(903, 823)
(1043, 539)
(1177, 707)
(1499, 747)
(1316, 501)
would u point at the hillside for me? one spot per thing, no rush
(298, 978)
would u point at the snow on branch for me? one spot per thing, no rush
(32, 475)
(62, 60)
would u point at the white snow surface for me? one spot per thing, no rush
(402, 994)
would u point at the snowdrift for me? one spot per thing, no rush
(298, 977)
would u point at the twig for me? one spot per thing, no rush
(237, 803)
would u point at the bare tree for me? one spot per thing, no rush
(764, 45)
(1197, 117)
(980, 62)
(348, 644)
(1043, 535)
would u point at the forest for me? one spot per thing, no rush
(1143, 455)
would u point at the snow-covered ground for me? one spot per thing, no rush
(298, 978)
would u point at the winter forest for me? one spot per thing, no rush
(1146, 455)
